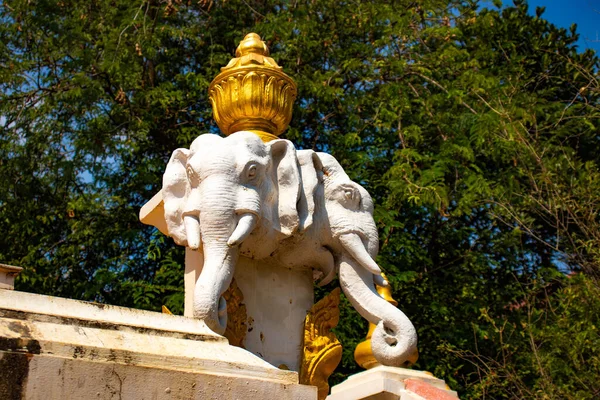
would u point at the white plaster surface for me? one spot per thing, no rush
(66, 349)
(383, 383)
(277, 300)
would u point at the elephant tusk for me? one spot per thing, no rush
(379, 280)
(192, 229)
(355, 247)
(245, 226)
(328, 277)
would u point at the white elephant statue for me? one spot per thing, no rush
(239, 196)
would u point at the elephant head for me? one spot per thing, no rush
(223, 195)
(355, 244)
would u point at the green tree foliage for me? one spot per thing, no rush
(546, 348)
(475, 130)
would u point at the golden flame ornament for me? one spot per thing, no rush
(322, 350)
(252, 93)
(236, 328)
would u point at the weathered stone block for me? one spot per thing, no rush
(57, 348)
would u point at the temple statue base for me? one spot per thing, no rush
(389, 383)
(266, 307)
(54, 348)
(277, 300)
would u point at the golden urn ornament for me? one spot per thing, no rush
(252, 93)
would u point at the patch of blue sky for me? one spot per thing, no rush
(564, 13)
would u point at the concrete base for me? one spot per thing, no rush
(52, 348)
(389, 383)
(277, 300)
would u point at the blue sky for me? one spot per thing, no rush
(585, 13)
(563, 13)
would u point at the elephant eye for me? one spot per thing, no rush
(350, 193)
(251, 171)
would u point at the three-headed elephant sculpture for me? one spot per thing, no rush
(239, 196)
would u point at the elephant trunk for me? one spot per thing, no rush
(394, 340)
(221, 230)
(215, 278)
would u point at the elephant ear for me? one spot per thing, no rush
(175, 192)
(286, 176)
(312, 176)
(332, 169)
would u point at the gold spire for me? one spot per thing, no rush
(252, 93)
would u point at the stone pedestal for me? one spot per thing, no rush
(389, 383)
(275, 299)
(53, 348)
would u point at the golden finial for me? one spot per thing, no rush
(252, 93)
(252, 44)
(363, 355)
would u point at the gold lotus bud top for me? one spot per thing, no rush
(252, 44)
(252, 93)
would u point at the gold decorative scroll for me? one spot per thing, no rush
(235, 331)
(322, 350)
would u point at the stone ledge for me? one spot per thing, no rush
(61, 349)
(80, 313)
